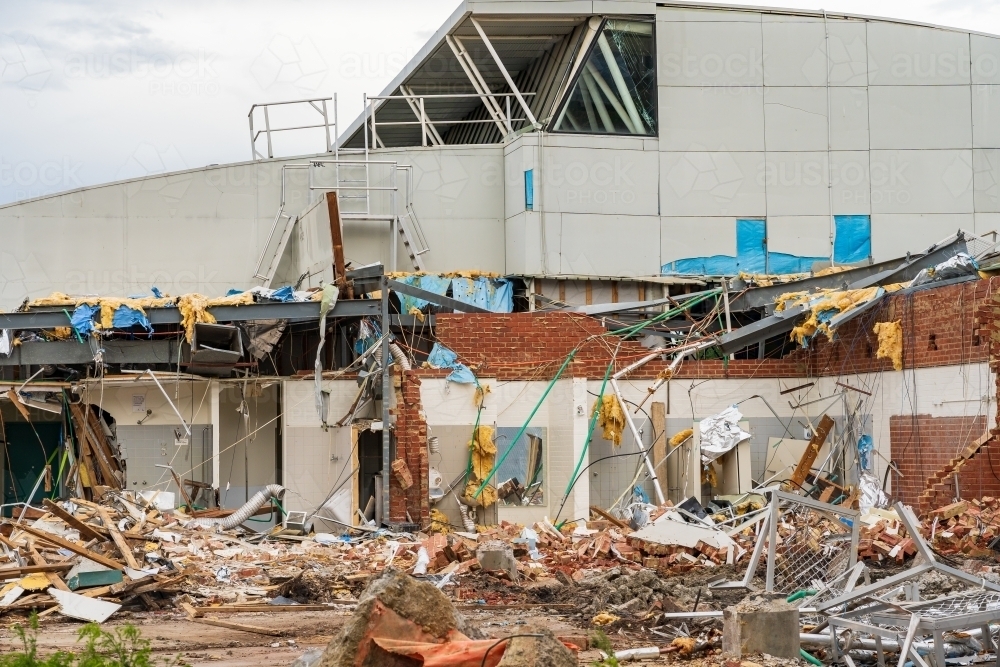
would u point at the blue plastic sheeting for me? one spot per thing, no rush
(716, 265)
(779, 262)
(156, 292)
(126, 318)
(435, 284)
(442, 357)
(751, 246)
(283, 294)
(83, 319)
(853, 240)
(865, 448)
(494, 294)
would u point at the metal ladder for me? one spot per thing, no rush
(411, 234)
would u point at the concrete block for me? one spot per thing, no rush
(761, 626)
(497, 555)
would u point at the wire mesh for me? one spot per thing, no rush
(813, 545)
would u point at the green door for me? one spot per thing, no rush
(25, 459)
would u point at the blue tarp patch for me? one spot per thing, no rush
(751, 246)
(493, 294)
(156, 292)
(435, 284)
(126, 318)
(442, 357)
(865, 448)
(83, 319)
(853, 240)
(284, 294)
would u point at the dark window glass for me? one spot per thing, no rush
(615, 90)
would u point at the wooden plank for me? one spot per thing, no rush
(53, 578)
(87, 531)
(74, 547)
(279, 608)
(618, 522)
(238, 626)
(658, 415)
(337, 239)
(812, 451)
(102, 440)
(120, 541)
(12, 572)
(94, 446)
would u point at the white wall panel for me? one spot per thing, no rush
(987, 222)
(803, 235)
(606, 245)
(895, 234)
(986, 182)
(985, 59)
(597, 180)
(730, 117)
(910, 55)
(714, 53)
(797, 182)
(925, 116)
(795, 118)
(927, 181)
(697, 182)
(669, 14)
(795, 52)
(696, 237)
(986, 116)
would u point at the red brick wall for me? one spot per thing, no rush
(941, 327)
(922, 444)
(411, 446)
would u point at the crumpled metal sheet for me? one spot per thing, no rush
(872, 494)
(720, 433)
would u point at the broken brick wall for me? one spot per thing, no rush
(922, 444)
(411, 447)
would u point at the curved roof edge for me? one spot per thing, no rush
(468, 7)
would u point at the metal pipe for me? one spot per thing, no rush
(638, 442)
(187, 429)
(486, 95)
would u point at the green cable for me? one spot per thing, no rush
(79, 339)
(590, 429)
(808, 657)
(622, 332)
(496, 466)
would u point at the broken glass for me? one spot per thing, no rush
(615, 89)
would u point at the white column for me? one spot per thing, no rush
(580, 500)
(216, 434)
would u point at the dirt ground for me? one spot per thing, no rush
(172, 634)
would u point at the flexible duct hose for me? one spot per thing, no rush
(258, 500)
(401, 358)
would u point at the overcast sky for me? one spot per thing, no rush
(92, 92)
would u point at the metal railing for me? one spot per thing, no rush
(331, 142)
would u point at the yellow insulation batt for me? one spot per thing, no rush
(194, 308)
(484, 456)
(890, 342)
(610, 418)
(439, 522)
(822, 302)
(681, 437)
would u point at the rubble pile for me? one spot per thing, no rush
(968, 527)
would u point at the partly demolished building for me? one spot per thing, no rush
(564, 234)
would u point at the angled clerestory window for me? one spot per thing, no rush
(614, 91)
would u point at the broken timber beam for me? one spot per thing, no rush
(74, 547)
(87, 531)
(812, 451)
